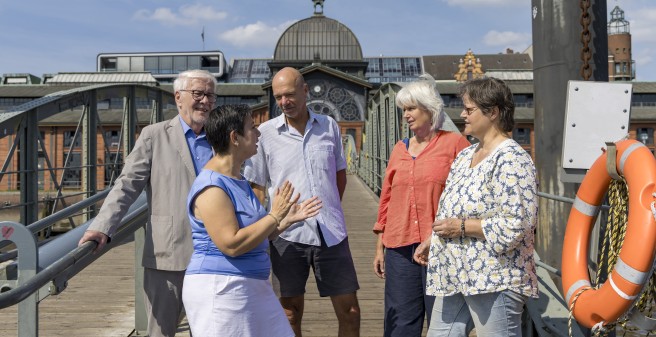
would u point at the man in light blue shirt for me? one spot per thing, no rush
(199, 148)
(306, 149)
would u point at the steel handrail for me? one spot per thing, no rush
(67, 212)
(564, 199)
(77, 259)
(50, 220)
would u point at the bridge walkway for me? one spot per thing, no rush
(100, 300)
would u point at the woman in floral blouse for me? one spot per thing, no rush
(480, 266)
(414, 180)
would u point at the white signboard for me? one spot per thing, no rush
(597, 112)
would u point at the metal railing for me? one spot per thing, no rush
(45, 270)
(50, 220)
(39, 268)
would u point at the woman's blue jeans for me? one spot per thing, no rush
(493, 314)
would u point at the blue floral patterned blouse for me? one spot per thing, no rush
(500, 191)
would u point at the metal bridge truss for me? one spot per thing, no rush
(28, 145)
(44, 269)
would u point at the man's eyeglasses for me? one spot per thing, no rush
(198, 95)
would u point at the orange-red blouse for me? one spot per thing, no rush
(412, 189)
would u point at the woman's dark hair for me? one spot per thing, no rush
(223, 120)
(490, 92)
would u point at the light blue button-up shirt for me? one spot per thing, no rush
(200, 149)
(310, 162)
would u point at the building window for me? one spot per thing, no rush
(112, 138)
(108, 64)
(453, 102)
(392, 67)
(411, 67)
(166, 65)
(73, 174)
(179, 64)
(16, 80)
(136, 63)
(151, 64)
(68, 139)
(123, 64)
(643, 100)
(523, 101)
(260, 69)
(193, 62)
(210, 63)
(522, 136)
(241, 68)
(645, 135)
(373, 69)
(113, 166)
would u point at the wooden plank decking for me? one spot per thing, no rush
(100, 300)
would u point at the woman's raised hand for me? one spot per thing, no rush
(302, 211)
(283, 200)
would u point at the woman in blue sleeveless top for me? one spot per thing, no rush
(226, 287)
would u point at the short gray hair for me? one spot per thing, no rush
(423, 94)
(180, 82)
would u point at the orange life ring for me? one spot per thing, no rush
(607, 303)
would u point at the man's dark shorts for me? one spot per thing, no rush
(333, 267)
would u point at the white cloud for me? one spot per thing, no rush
(256, 35)
(475, 3)
(512, 40)
(187, 15)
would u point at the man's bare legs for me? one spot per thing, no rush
(346, 308)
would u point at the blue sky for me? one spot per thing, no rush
(49, 36)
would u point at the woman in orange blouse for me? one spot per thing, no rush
(414, 180)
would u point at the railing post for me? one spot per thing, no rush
(130, 125)
(28, 309)
(140, 317)
(159, 112)
(29, 162)
(89, 152)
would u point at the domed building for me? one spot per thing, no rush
(329, 56)
(319, 38)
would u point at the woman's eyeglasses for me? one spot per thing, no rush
(469, 111)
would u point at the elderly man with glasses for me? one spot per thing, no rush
(165, 160)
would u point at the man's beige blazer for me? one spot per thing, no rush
(161, 164)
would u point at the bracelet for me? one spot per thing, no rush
(462, 229)
(275, 218)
